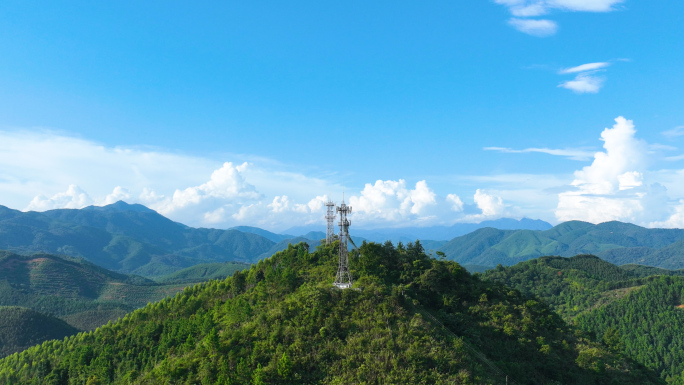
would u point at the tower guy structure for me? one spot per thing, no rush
(343, 280)
(330, 218)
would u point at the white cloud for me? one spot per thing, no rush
(584, 68)
(456, 202)
(280, 204)
(612, 187)
(676, 220)
(36, 167)
(489, 204)
(528, 8)
(584, 5)
(72, 198)
(588, 78)
(280, 213)
(585, 82)
(675, 132)
(534, 27)
(119, 194)
(675, 158)
(522, 8)
(630, 180)
(393, 201)
(225, 184)
(542, 27)
(570, 153)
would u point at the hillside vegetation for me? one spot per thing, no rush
(203, 272)
(569, 285)
(84, 295)
(615, 242)
(282, 321)
(21, 327)
(626, 308)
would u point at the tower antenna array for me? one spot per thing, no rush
(330, 217)
(343, 279)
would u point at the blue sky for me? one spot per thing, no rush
(423, 113)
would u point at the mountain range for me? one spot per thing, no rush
(133, 239)
(616, 242)
(125, 238)
(431, 233)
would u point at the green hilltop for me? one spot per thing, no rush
(408, 319)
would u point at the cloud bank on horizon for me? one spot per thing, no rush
(44, 170)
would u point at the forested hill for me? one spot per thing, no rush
(622, 307)
(570, 285)
(125, 238)
(82, 294)
(21, 327)
(282, 321)
(615, 242)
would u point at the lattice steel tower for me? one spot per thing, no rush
(330, 217)
(343, 279)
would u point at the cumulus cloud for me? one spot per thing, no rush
(534, 27)
(489, 204)
(119, 194)
(608, 189)
(586, 82)
(524, 9)
(570, 153)
(225, 184)
(279, 212)
(393, 201)
(455, 201)
(72, 198)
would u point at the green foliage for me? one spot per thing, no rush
(626, 308)
(203, 272)
(647, 324)
(78, 292)
(282, 321)
(569, 285)
(21, 328)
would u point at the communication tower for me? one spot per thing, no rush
(330, 217)
(343, 279)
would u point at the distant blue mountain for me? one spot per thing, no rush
(119, 207)
(264, 233)
(126, 238)
(436, 233)
(615, 242)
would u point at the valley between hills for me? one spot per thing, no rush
(120, 294)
